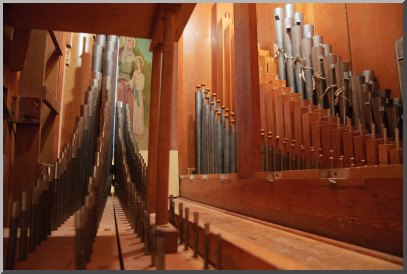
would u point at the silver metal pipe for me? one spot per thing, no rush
(289, 10)
(329, 92)
(308, 31)
(306, 47)
(400, 61)
(317, 40)
(369, 75)
(233, 148)
(204, 139)
(327, 49)
(211, 140)
(298, 18)
(340, 69)
(317, 59)
(356, 80)
(288, 48)
(279, 32)
(296, 42)
(198, 127)
(226, 146)
(219, 144)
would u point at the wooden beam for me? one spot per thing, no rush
(247, 90)
(154, 127)
(182, 14)
(51, 101)
(182, 18)
(164, 135)
(57, 43)
(132, 20)
(21, 37)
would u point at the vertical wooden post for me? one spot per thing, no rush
(153, 134)
(28, 136)
(247, 90)
(164, 135)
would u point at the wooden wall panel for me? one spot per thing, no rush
(324, 17)
(367, 38)
(373, 29)
(197, 65)
(330, 22)
(77, 80)
(367, 49)
(364, 212)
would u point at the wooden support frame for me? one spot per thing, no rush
(164, 134)
(154, 126)
(347, 206)
(247, 90)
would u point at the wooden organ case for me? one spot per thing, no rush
(302, 163)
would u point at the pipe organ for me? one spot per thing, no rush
(296, 153)
(215, 133)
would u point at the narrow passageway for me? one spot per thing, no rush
(57, 252)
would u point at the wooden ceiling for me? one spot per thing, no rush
(131, 19)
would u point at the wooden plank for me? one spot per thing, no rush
(281, 247)
(247, 90)
(132, 20)
(369, 215)
(105, 255)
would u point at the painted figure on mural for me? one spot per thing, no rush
(137, 83)
(127, 67)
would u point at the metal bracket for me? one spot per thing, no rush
(223, 177)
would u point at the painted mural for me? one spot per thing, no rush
(134, 84)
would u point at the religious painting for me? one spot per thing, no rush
(134, 84)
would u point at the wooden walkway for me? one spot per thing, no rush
(57, 252)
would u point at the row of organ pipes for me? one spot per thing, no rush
(215, 134)
(79, 180)
(356, 122)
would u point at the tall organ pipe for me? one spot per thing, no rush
(198, 126)
(296, 36)
(288, 48)
(279, 31)
(233, 158)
